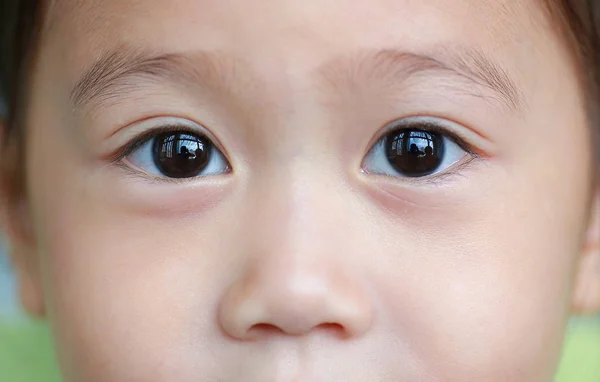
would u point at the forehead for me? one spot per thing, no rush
(273, 23)
(280, 37)
(281, 43)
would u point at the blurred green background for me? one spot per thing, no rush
(26, 347)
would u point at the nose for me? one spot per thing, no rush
(302, 274)
(295, 300)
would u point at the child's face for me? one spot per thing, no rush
(302, 244)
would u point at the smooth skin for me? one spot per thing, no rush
(298, 262)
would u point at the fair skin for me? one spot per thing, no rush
(297, 259)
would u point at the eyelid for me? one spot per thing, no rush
(141, 139)
(122, 161)
(151, 127)
(445, 128)
(430, 124)
(454, 170)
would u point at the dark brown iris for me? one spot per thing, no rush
(181, 155)
(414, 153)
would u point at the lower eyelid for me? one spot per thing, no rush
(455, 173)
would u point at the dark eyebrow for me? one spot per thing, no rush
(119, 71)
(396, 66)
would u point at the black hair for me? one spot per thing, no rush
(19, 26)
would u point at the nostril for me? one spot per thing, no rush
(260, 330)
(330, 326)
(264, 330)
(333, 328)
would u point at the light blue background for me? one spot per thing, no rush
(8, 301)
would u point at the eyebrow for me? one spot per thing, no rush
(119, 71)
(124, 70)
(480, 73)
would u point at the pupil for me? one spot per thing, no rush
(181, 155)
(414, 153)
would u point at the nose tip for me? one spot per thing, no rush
(297, 306)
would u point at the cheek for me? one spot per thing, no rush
(482, 291)
(476, 291)
(126, 294)
(476, 305)
(110, 272)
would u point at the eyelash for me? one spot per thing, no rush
(143, 138)
(437, 128)
(117, 158)
(400, 125)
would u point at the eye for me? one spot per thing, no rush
(176, 154)
(414, 150)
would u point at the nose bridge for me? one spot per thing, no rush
(298, 209)
(295, 279)
(302, 221)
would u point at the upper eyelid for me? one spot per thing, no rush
(422, 121)
(426, 122)
(171, 124)
(145, 137)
